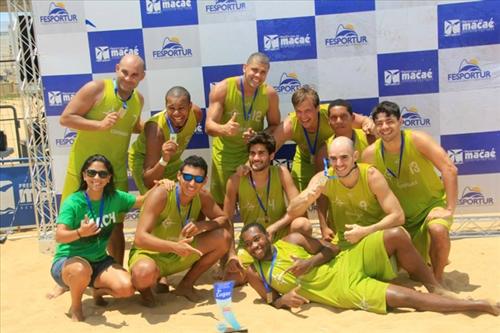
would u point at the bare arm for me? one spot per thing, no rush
(299, 204)
(213, 126)
(153, 170)
(282, 132)
(363, 122)
(139, 124)
(436, 154)
(368, 155)
(273, 113)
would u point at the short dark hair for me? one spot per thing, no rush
(304, 92)
(195, 162)
(260, 58)
(389, 108)
(264, 139)
(178, 91)
(109, 189)
(251, 225)
(340, 102)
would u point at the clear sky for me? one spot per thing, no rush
(4, 21)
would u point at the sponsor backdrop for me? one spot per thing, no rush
(440, 61)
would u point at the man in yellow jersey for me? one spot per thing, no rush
(237, 108)
(156, 153)
(262, 196)
(105, 113)
(170, 238)
(308, 127)
(359, 196)
(298, 269)
(340, 118)
(408, 160)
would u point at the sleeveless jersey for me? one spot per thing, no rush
(359, 139)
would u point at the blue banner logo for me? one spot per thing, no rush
(412, 119)
(59, 89)
(469, 70)
(225, 6)
(468, 24)
(346, 36)
(287, 39)
(108, 47)
(408, 73)
(472, 196)
(172, 48)
(67, 139)
(473, 153)
(58, 14)
(163, 13)
(289, 82)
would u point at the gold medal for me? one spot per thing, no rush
(312, 159)
(269, 297)
(122, 112)
(267, 220)
(173, 137)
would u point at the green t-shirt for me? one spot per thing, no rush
(250, 208)
(302, 166)
(72, 214)
(417, 187)
(356, 205)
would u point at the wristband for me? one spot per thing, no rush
(162, 162)
(78, 233)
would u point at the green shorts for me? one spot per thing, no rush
(361, 276)
(168, 263)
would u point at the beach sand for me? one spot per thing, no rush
(474, 271)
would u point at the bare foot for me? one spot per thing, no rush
(147, 298)
(56, 292)
(188, 292)
(77, 314)
(493, 307)
(440, 290)
(98, 297)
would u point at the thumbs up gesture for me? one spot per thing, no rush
(232, 127)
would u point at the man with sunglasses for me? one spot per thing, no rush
(105, 113)
(237, 108)
(156, 153)
(262, 195)
(408, 159)
(170, 239)
(360, 198)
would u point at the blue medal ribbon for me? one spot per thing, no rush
(261, 204)
(312, 149)
(178, 200)
(124, 102)
(170, 126)
(400, 157)
(267, 286)
(101, 210)
(246, 115)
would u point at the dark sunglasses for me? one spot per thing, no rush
(325, 170)
(189, 177)
(102, 174)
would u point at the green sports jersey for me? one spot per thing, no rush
(302, 166)
(417, 186)
(347, 281)
(356, 205)
(358, 137)
(72, 214)
(250, 208)
(112, 143)
(137, 151)
(170, 223)
(229, 152)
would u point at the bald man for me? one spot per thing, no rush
(361, 200)
(105, 113)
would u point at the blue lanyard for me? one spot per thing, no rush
(101, 210)
(400, 157)
(124, 102)
(170, 126)
(273, 262)
(261, 204)
(246, 115)
(312, 149)
(178, 200)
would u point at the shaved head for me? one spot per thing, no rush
(341, 143)
(132, 60)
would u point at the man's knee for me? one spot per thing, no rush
(124, 289)
(301, 225)
(398, 234)
(144, 273)
(438, 232)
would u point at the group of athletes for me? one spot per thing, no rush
(381, 205)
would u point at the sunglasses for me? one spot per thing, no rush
(189, 177)
(325, 170)
(102, 174)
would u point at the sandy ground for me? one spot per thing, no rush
(474, 272)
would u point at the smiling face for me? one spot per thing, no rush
(190, 187)
(340, 120)
(307, 114)
(342, 156)
(259, 158)
(129, 72)
(257, 243)
(255, 73)
(94, 181)
(178, 108)
(387, 127)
